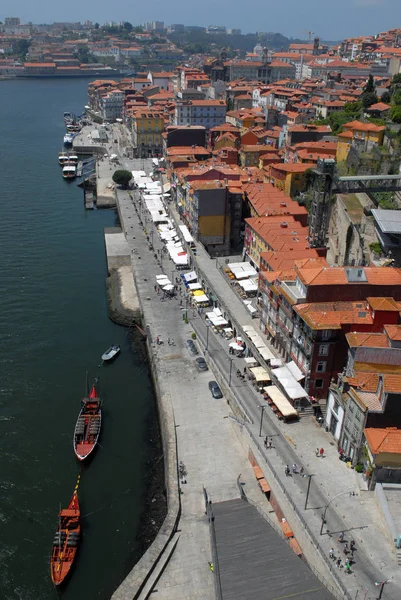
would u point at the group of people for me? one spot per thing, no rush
(268, 442)
(347, 550)
(294, 470)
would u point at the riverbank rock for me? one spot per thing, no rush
(122, 298)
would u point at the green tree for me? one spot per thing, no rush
(122, 177)
(397, 97)
(368, 98)
(396, 79)
(395, 114)
(386, 98)
(128, 26)
(370, 86)
(84, 55)
(353, 108)
(21, 47)
(97, 25)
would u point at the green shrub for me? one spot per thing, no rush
(359, 468)
(376, 247)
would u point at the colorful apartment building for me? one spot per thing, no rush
(291, 178)
(307, 311)
(364, 135)
(147, 127)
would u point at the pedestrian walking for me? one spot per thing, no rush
(287, 470)
(157, 340)
(301, 471)
(270, 444)
(294, 468)
(155, 288)
(168, 341)
(331, 553)
(211, 566)
(341, 537)
(338, 563)
(321, 452)
(345, 549)
(172, 342)
(352, 545)
(265, 442)
(317, 451)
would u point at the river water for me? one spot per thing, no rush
(53, 328)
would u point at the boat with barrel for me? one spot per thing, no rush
(88, 425)
(66, 540)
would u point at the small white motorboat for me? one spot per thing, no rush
(111, 353)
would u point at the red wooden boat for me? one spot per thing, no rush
(87, 428)
(66, 540)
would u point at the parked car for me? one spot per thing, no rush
(201, 364)
(191, 347)
(215, 390)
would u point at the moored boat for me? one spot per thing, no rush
(111, 353)
(88, 425)
(66, 540)
(68, 139)
(63, 157)
(69, 170)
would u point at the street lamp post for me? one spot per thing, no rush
(307, 491)
(261, 419)
(207, 337)
(382, 584)
(327, 506)
(231, 365)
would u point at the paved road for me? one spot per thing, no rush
(296, 443)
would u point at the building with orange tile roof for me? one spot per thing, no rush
(291, 178)
(364, 135)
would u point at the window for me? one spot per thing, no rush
(326, 334)
(336, 406)
(323, 349)
(318, 383)
(321, 367)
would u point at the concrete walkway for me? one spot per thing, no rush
(207, 442)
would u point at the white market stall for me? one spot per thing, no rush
(279, 403)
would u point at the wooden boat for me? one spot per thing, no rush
(89, 422)
(111, 353)
(66, 540)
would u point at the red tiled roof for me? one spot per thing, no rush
(393, 332)
(380, 106)
(384, 304)
(369, 340)
(383, 440)
(332, 315)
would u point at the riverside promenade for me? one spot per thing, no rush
(196, 430)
